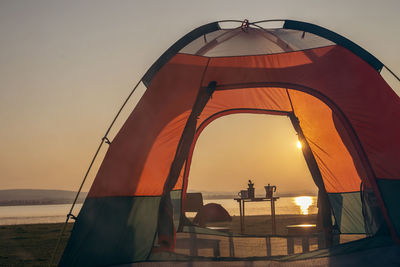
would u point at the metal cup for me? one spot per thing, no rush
(243, 194)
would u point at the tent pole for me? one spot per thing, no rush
(392, 73)
(324, 219)
(166, 230)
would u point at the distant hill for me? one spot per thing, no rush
(15, 197)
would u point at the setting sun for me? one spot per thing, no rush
(298, 144)
(304, 203)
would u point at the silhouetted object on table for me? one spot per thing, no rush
(243, 194)
(251, 189)
(269, 190)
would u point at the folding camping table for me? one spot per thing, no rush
(241, 202)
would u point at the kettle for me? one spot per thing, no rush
(269, 190)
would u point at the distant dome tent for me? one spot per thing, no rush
(344, 112)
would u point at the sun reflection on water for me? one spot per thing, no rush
(304, 203)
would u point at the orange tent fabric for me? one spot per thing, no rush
(140, 155)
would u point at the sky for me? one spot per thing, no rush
(236, 148)
(67, 66)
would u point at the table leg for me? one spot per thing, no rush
(273, 216)
(290, 245)
(268, 245)
(244, 226)
(305, 244)
(240, 217)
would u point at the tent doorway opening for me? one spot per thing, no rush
(260, 148)
(265, 149)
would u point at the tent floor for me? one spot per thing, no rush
(384, 256)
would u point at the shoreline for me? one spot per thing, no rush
(35, 203)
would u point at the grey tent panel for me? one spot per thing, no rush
(334, 37)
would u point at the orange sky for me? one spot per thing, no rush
(236, 148)
(66, 68)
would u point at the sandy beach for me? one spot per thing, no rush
(33, 244)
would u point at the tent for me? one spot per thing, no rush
(344, 112)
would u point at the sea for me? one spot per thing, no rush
(33, 214)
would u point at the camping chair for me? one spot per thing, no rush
(194, 203)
